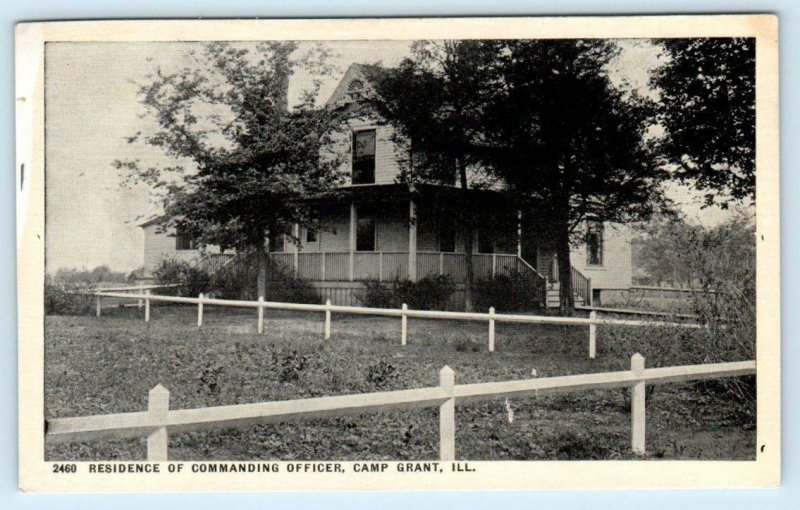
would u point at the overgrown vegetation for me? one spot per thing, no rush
(428, 293)
(720, 262)
(239, 280)
(507, 293)
(67, 298)
(192, 279)
(95, 367)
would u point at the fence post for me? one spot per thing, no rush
(592, 335)
(200, 310)
(139, 302)
(494, 264)
(327, 319)
(158, 407)
(447, 415)
(98, 305)
(147, 306)
(380, 266)
(404, 326)
(491, 329)
(323, 266)
(638, 406)
(260, 314)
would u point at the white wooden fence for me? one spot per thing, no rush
(159, 421)
(404, 313)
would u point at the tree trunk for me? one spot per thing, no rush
(566, 293)
(469, 223)
(262, 255)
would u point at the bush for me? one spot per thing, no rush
(429, 293)
(192, 279)
(506, 293)
(67, 298)
(239, 280)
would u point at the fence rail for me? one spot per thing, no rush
(159, 421)
(404, 313)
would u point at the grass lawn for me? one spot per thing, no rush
(108, 364)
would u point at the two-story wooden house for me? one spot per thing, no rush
(377, 227)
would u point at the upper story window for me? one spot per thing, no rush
(184, 242)
(594, 244)
(364, 157)
(311, 235)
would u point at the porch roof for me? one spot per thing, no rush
(401, 191)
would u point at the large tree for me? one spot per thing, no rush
(434, 101)
(236, 157)
(569, 144)
(708, 112)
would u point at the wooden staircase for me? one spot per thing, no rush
(554, 298)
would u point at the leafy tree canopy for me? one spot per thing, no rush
(708, 111)
(238, 157)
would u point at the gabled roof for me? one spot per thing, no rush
(354, 72)
(152, 221)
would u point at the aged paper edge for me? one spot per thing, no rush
(35, 475)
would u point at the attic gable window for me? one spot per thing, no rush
(364, 157)
(355, 90)
(594, 244)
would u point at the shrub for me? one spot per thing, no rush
(381, 374)
(67, 298)
(238, 280)
(192, 279)
(428, 293)
(506, 293)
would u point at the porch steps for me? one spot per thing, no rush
(553, 298)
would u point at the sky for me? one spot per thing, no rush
(91, 107)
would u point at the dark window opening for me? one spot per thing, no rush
(277, 243)
(447, 238)
(364, 157)
(485, 242)
(311, 235)
(184, 242)
(594, 245)
(365, 233)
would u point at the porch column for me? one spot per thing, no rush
(519, 233)
(412, 240)
(296, 254)
(351, 260)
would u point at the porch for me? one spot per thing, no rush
(391, 265)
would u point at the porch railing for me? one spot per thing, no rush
(582, 286)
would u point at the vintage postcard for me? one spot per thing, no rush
(398, 254)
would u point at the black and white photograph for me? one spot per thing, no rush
(410, 257)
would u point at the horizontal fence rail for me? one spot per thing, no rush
(159, 421)
(404, 313)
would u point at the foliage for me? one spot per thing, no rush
(97, 275)
(721, 262)
(238, 280)
(448, 81)
(192, 279)
(707, 109)
(428, 293)
(237, 156)
(96, 367)
(290, 366)
(542, 116)
(507, 293)
(381, 374)
(67, 297)
(570, 145)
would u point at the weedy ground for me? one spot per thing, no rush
(108, 365)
